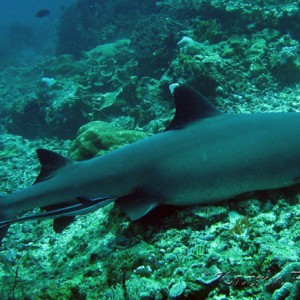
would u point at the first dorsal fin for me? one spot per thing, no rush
(190, 106)
(50, 163)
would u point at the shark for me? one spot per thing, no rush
(204, 156)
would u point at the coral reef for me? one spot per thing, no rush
(103, 86)
(111, 80)
(98, 22)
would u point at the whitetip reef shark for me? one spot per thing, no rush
(204, 156)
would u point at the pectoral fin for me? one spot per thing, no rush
(136, 206)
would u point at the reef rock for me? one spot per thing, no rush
(98, 137)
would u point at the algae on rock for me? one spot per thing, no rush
(96, 138)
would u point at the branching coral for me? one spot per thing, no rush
(285, 284)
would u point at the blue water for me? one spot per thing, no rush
(24, 11)
(17, 18)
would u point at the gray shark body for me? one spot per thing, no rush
(203, 157)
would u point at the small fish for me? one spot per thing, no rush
(42, 13)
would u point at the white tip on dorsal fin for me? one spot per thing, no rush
(172, 87)
(190, 106)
